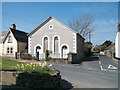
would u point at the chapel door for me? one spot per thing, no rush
(38, 52)
(64, 51)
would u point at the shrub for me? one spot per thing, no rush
(26, 56)
(37, 76)
(47, 55)
(38, 80)
(34, 58)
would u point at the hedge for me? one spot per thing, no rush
(38, 80)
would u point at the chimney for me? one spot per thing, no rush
(13, 26)
(119, 27)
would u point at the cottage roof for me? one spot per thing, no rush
(20, 36)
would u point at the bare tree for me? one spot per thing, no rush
(82, 25)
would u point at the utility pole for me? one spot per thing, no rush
(89, 37)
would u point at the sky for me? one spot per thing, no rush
(28, 15)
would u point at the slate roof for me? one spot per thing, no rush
(20, 36)
(110, 46)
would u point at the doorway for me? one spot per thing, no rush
(64, 51)
(38, 52)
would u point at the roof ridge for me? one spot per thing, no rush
(18, 30)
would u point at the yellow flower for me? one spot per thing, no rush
(27, 64)
(39, 64)
(34, 65)
(17, 65)
(22, 64)
(45, 63)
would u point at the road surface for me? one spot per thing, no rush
(92, 73)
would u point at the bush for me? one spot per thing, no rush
(47, 55)
(34, 58)
(37, 76)
(38, 80)
(26, 56)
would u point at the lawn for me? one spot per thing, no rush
(29, 75)
(9, 65)
(13, 65)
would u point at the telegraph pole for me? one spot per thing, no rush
(89, 37)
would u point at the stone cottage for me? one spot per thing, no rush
(15, 41)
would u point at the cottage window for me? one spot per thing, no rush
(11, 50)
(10, 39)
(8, 50)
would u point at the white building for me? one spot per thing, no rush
(56, 37)
(2, 36)
(117, 43)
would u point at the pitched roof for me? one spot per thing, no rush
(20, 36)
(110, 46)
(2, 36)
(44, 22)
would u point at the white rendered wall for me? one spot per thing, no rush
(117, 45)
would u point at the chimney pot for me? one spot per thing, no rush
(13, 26)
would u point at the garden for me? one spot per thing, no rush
(30, 75)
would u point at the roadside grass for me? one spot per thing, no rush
(13, 65)
(9, 65)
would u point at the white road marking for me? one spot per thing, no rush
(111, 67)
(50, 65)
(101, 67)
(99, 62)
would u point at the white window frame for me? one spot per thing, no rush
(9, 39)
(54, 43)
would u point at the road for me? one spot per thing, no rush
(92, 73)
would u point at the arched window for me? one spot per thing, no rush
(45, 44)
(56, 44)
